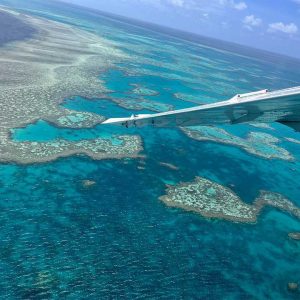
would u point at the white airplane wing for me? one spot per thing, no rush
(263, 106)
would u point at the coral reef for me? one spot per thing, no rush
(262, 126)
(36, 75)
(71, 119)
(294, 236)
(257, 143)
(88, 183)
(169, 166)
(142, 103)
(29, 152)
(199, 99)
(291, 140)
(144, 91)
(213, 200)
(292, 286)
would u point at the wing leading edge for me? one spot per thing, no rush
(262, 106)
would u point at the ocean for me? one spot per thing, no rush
(79, 228)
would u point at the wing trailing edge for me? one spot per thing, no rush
(262, 106)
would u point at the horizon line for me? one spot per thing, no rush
(139, 23)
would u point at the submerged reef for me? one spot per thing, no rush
(142, 103)
(213, 200)
(37, 74)
(257, 143)
(294, 236)
(88, 183)
(262, 126)
(293, 286)
(28, 152)
(197, 99)
(291, 140)
(169, 166)
(77, 119)
(139, 90)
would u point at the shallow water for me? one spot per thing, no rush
(115, 239)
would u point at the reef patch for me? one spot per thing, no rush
(213, 200)
(59, 61)
(88, 183)
(257, 143)
(169, 166)
(197, 99)
(143, 91)
(292, 140)
(39, 152)
(132, 103)
(294, 235)
(262, 126)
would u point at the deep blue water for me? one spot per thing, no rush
(115, 239)
(12, 29)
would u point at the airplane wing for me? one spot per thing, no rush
(262, 106)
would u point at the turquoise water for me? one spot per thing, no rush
(115, 239)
